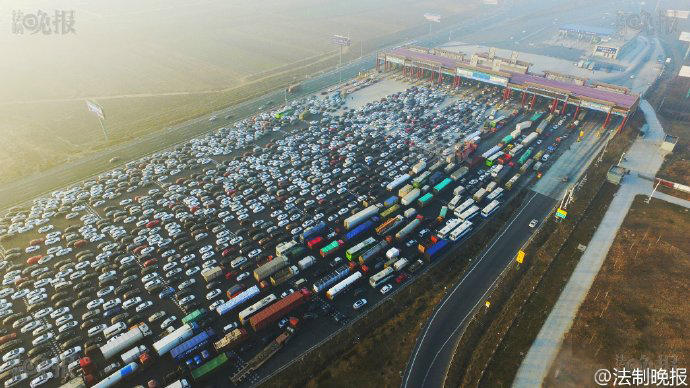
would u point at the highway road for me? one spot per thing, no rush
(435, 347)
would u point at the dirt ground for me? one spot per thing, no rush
(201, 55)
(637, 312)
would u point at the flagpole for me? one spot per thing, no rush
(105, 133)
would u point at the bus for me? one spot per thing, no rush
(464, 206)
(454, 202)
(194, 316)
(461, 231)
(355, 251)
(496, 194)
(245, 314)
(450, 225)
(469, 213)
(490, 208)
(381, 277)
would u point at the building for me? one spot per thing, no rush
(581, 32)
(616, 174)
(612, 49)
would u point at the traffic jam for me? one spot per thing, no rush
(210, 255)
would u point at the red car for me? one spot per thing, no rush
(401, 278)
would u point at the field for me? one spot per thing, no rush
(636, 313)
(154, 65)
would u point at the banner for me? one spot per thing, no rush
(95, 108)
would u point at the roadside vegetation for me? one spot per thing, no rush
(636, 314)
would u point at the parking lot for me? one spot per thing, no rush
(131, 245)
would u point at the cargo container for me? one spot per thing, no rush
(343, 285)
(181, 334)
(211, 273)
(538, 155)
(425, 200)
(436, 166)
(524, 125)
(536, 116)
(502, 175)
(516, 150)
(359, 230)
(418, 181)
(284, 275)
(193, 344)
(529, 139)
(400, 264)
(442, 185)
(306, 262)
(410, 197)
(433, 251)
(392, 200)
(419, 167)
(459, 173)
(210, 366)
(264, 271)
(123, 373)
(354, 251)
(506, 140)
(435, 178)
(133, 354)
(512, 181)
(404, 190)
(296, 252)
(279, 309)
(246, 314)
(397, 182)
(489, 209)
(315, 242)
(194, 316)
(410, 212)
(332, 278)
(360, 217)
(235, 337)
(387, 228)
(479, 195)
(393, 253)
(537, 166)
(381, 277)
(314, 231)
(284, 246)
(491, 151)
(411, 226)
(390, 211)
(238, 300)
(118, 344)
(371, 253)
(331, 248)
(442, 213)
(460, 231)
(525, 156)
(525, 166)
(490, 186)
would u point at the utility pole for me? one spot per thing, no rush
(653, 191)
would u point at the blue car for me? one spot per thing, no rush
(166, 293)
(112, 312)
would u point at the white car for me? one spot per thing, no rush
(386, 289)
(13, 354)
(167, 322)
(47, 364)
(359, 304)
(42, 379)
(533, 223)
(9, 364)
(143, 306)
(44, 338)
(129, 303)
(213, 294)
(69, 353)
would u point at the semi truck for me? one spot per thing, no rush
(284, 275)
(118, 344)
(234, 337)
(370, 253)
(268, 269)
(238, 300)
(410, 227)
(360, 229)
(331, 278)
(343, 285)
(361, 216)
(181, 334)
(314, 231)
(279, 309)
(410, 197)
(193, 344)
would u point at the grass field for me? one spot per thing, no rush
(636, 314)
(154, 64)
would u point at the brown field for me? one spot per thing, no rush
(637, 312)
(157, 63)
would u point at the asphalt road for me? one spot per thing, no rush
(435, 347)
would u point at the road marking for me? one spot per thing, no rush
(457, 286)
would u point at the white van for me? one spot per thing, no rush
(115, 329)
